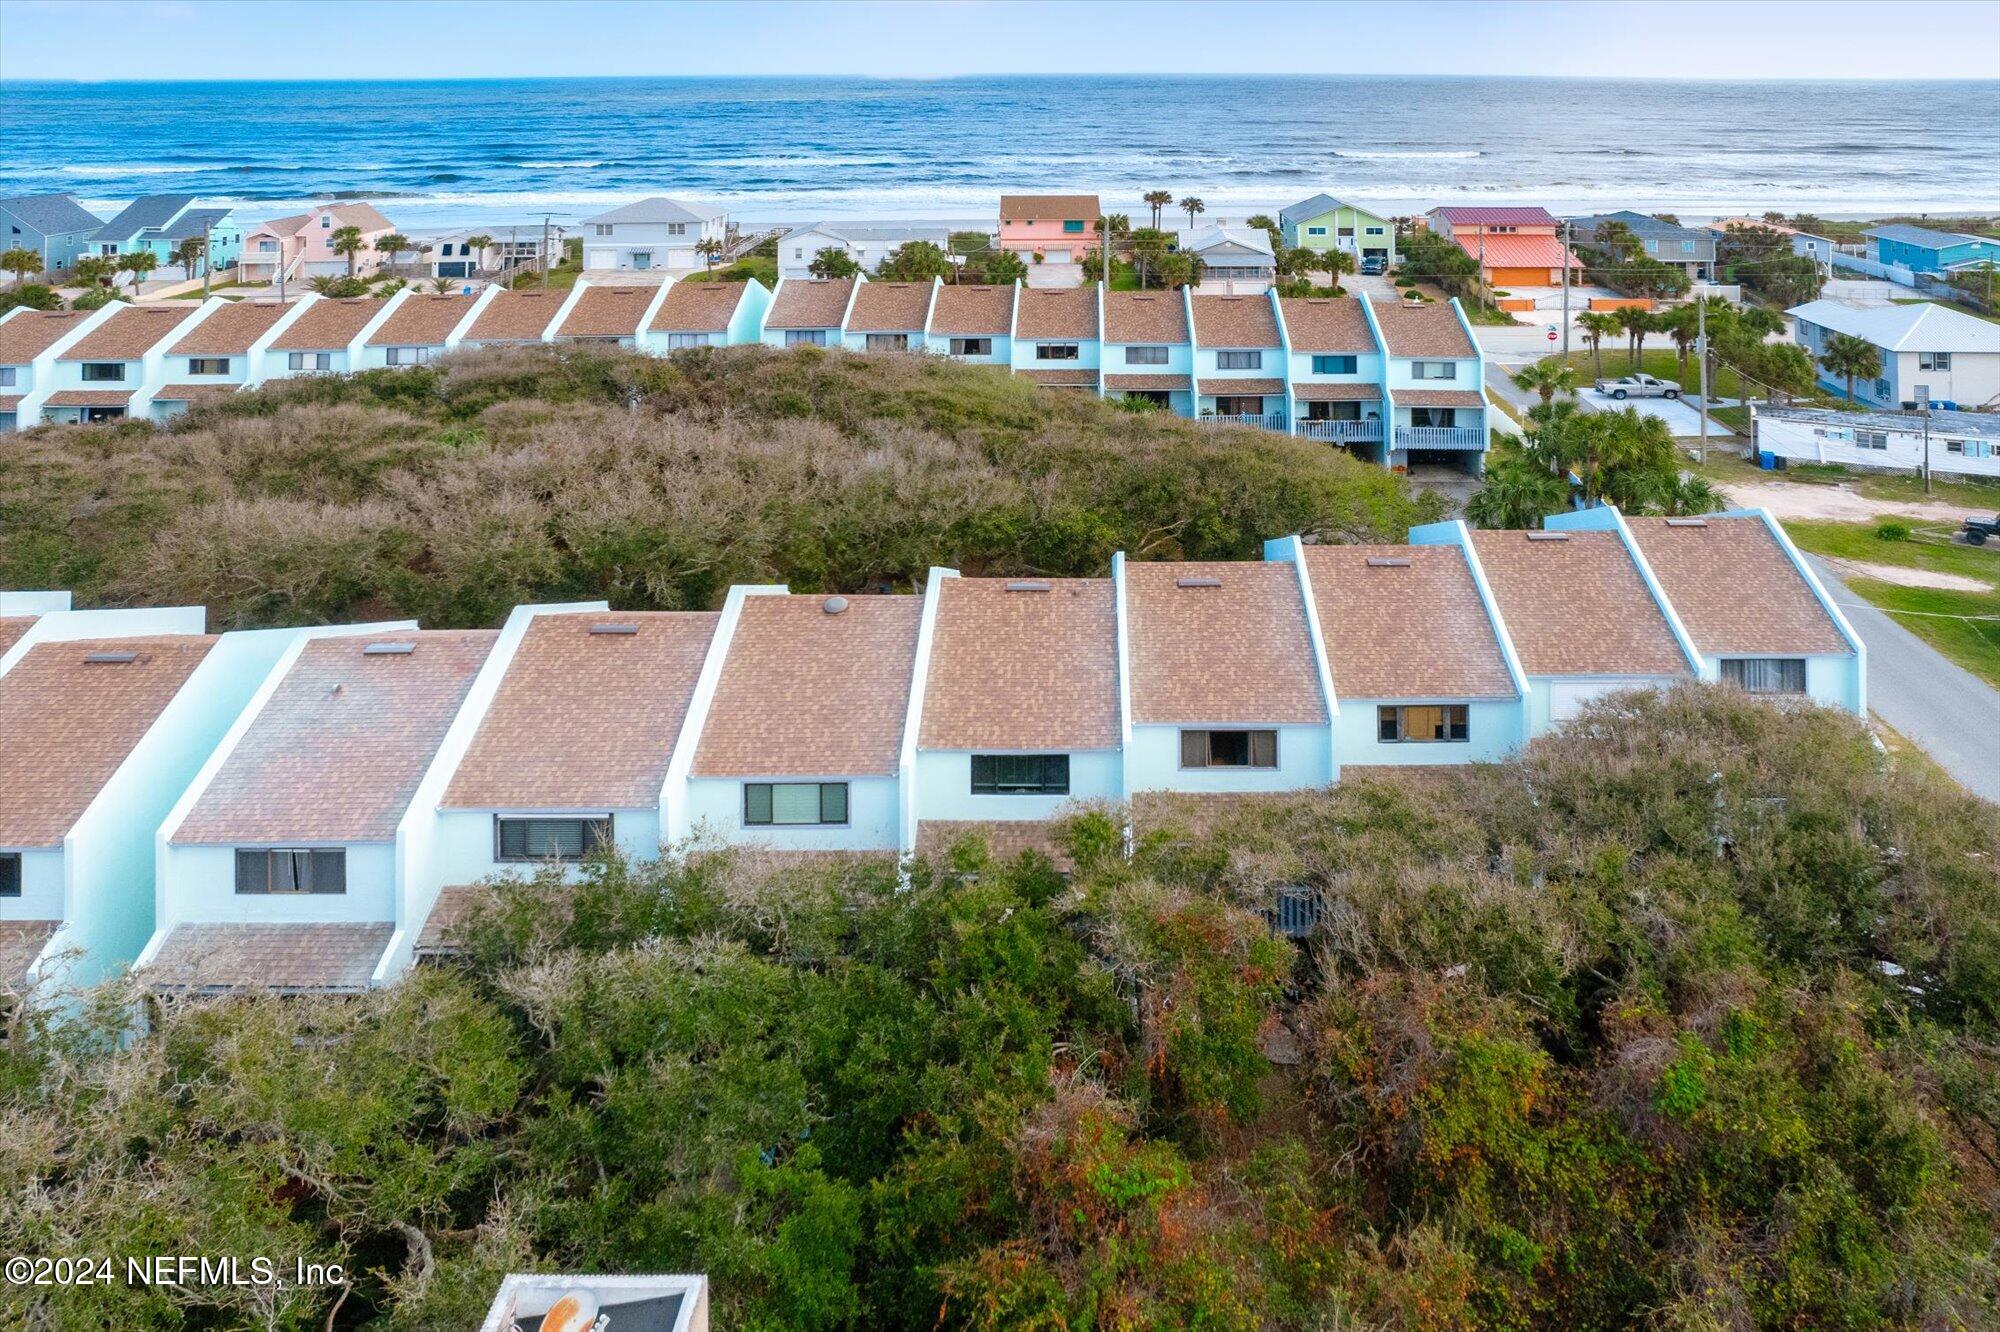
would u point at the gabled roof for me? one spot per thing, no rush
(191, 223)
(1235, 321)
(516, 316)
(195, 392)
(1305, 210)
(32, 332)
(1405, 622)
(1050, 207)
(810, 303)
(230, 330)
(977, 310)
(422, 320)
(890, 307)
(1056, 312)
(153, 210)
(608, 312)
(1518, 251)
(1420, 330)
(338, 749)
(130, 333)
(1220, 642)
(871, 233)
(656, 209)
(280, 226)
(585, 720)
(1145, 317)
(1207, 238)
(1924, 327)
(1927, 237)
(1640, 224)
(808, 693)
(329, 324)
(1734, 587)
(1483, 216)
(1326, 324)
(67, 723)
(1575, 604)
(360, 215)
(1023, 664)
(21, 942)
(699, 307)
(13, 628)
(51, 214)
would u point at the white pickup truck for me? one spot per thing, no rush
(1638, 386)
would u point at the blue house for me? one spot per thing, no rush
(1923, 250)
(55, 226)
(160, 222)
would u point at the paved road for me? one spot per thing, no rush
(1949, 712)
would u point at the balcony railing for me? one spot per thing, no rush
(1267, 421)
(1440, 437)
(1342, 432)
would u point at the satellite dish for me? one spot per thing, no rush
(574, 1312)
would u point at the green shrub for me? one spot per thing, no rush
(1889, 529)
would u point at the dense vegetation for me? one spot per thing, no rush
(455, 490)
(1686, 1019)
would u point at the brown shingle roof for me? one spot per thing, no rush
(975, 310)
(89, 398)
(1235, 321)
(422, 320)
(21, 942)
(808, 694)
(1734, 587)
(1420, 330)
(310, 956)
(67, 723)
(195, 392)
(1211, 388)
(515, 316)
(1085, 378)
(810, 303)
(456, 904)
(1577, 606)
(1234, 653)
(1326, 324)
(10, 401)
(1412, 630)
(12, 628)
(230, 330)
(328, 324)
(130, 334)
(1057, 312)
(32, 332)
(699, 307)
(338, 750)
(1145, 316)
(1438, 398)
(891, 307)
(1024, 669)
(608, 312)
(1336, 392)
(1050, 208)
(1155, 383)
(582, 720)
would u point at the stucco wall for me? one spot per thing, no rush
(1496, 728)
(944, 787)
(201, 886)
(715, 810)
(463, 844)
(1304, 761)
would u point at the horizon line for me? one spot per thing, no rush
(78, 81)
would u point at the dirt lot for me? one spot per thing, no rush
(1787, 500)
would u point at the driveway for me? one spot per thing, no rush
(1944, 709)
(1681, 417)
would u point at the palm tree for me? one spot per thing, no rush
(392, 245)
(710, 249)
(188, 253)
(1116, 225)
(1191, 206)
(1156, 200)
(1851, 358)
(442, 285)
(20, 261)
(321, 284)
(138, 264)
(1546, 378)
(347, 241)
(1682, 324)
(1637, 324)
(1597, 325)
(1336, 263)
(477, 245)
(1518, 493)
(90, 270)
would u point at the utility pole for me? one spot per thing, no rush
(207, 263)
(1701, 347)
(1924, 415)
(545, 249)
(1565, 267)
(513, 252)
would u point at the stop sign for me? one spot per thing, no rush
(1552, 335)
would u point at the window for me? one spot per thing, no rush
(972, 346)
(798, 252)
(1871, 439)
(1933, 360)
(309, 360)
(1072, 227)
(1345, 233)
(1969, 448)
(1315, 231)
(600, 228)
(1652, 247)
(1881, 388)
(1145, 356)
(1687, 247)
(208, 365)
(675, 341)
(1374, 231)
(288, 869)
(10, 873)
(1429, 723)
(1239, 360)
(805, 337)
(99, 372)
(1333, 365)
(1229, 749)
(1020, 774)
(1294, 911)
(549, 839)
(1056, 351)
(1433, 370)
(326, 221)
(409, 355)
(677, 228)
(783, 804)
(888, 342)
(1766, 675)
(7, 373)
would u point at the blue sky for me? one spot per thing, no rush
(350, 39)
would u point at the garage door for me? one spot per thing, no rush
(454, 268)
(1522, 277)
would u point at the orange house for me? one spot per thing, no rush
(1515, 247)
(1060, 227)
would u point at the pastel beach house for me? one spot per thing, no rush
(1335, 373)
(158, 223)
(1239, 370)
(973, 323)
(301, 246)
(1928, 250)
(322, 338)
(1326, 223)
(655, 234)
(219, 355)
(112, 371)
(1147, 352)
(708, 314)
(1056, 336)
(1433, 380)
(1049, 228)
(809, 312)
(1515, 246)
(55, 226)
(890, 316)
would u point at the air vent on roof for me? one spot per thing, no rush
(1548, 536)
(109, 658)
(614, 629)
(388, 649)
(1687, 522)
(1027, 587)
(1197, 582)
(834, 605)
(1388, 561)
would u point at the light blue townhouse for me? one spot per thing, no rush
(1433, 384)
(1334, 367)
(890, 316)
(113, 370)
(973, 323)
(54, 226)
(1148, 352)
(159, 223)
(1927, 250)
(324, 336)
(1058, 336)
(30, 343)
(708, 314)
(1239, 361)
(809, 312)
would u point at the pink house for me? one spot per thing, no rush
(302, 244)
(1062, 228)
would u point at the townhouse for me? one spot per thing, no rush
(416, 327)
(115, 369)
(652, 234)
(1148, 350)
(1057, 340)
(1515, 247)
(218, 355)
(608, 316)
(1326, 223)
(322, 338)
(1239, 373)
(973, 323)
(1334, 366)
(1433, 384)
(809, 312)
(30, 341)
(1952, 355)
(890, 316)
(55, 226)
(513, 317)
(708, 314)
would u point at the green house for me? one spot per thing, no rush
(1324, 223)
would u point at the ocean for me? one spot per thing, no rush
(444, 153)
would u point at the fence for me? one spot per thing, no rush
(1895, 273)
(1342, 432)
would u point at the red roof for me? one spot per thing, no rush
(1518, 251)
(1496, 217)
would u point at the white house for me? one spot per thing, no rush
(1961, 443)
(1953, 355)
(1236, 261)
(651, 234)
(867, 243)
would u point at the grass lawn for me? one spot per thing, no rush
(1124, 277)
(743, 270)
(1936, 615)
(1659, 362)
(1726, 466)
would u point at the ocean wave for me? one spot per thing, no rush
(558, 166)
(1388, 156)
(152, 169)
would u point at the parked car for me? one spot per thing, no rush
(1978, 530)
(1638, 386)
(1374, 264)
